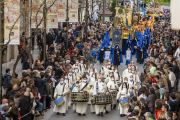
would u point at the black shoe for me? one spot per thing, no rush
(57, 113)
(41, 113)
(93, 113)
(64, 114)
(102, 114)
(107, 111)
(74, 110)
(84, 114)
(121, 115)
(114, 106)
(79, 114)
(98, 114)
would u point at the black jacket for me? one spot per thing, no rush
(39, 83)
(58, 72)
(131, 107)
(25, 107)
(26, 65)
(49, 39)
(176, 71)
(144, 110)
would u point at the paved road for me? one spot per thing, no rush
(113, 115)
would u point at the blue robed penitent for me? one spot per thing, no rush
(120, 54)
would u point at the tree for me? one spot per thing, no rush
(112, 8)
(24, 12)
(146, 1)
(163, 2)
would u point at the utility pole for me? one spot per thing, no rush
(86, 19)
(124, 3)
(103, 11)
(1, 42)
(44, 14)
(30, 44)
(116, 3)
(92, 9)
(67, 22)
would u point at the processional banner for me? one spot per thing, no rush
(117, 38)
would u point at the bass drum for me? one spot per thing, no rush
(102, 99)
(80, 96)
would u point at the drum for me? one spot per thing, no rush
(59, 101)
(123, 102)
(113, 93)
(80, 96)
(102, 99)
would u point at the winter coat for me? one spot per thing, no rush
(7, 79)
(151, 99)
(25, 108)
(39, 83)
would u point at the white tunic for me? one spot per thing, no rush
(107, 55)
(101, 89)
(104, 72)
(121, 94)
(124, 73)
(71, 78)
(69, 83)
(82, 67)
(117, 77)
(75, 89)
(92, 81)
(58, 91)
(82, 106)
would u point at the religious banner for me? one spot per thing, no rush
(73, 10)
(117, 38)
(37, 14)
(135, 18)
(12, 22)
(61, 6)
(52, 15)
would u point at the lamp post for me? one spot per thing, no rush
(103, 11)
(67, 22)
(44, 14)
(1, 57)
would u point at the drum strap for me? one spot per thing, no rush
(84, 86)
(118, 75)
(63, 88)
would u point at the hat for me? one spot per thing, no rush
(147, 114)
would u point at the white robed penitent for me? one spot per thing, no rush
(60, 93)
(75, 89)
(99, 88)
(82, 106)
(123, 92)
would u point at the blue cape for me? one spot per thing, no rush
(120, 54)
(131, 43)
